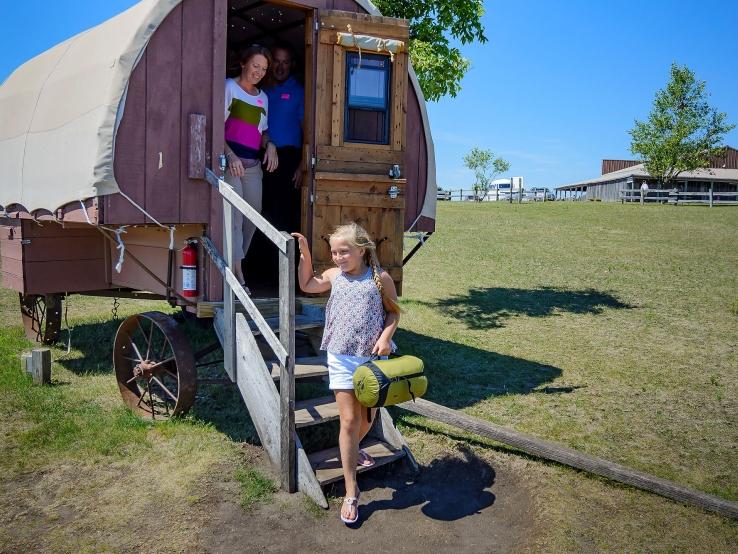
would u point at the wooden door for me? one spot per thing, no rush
(360, 109)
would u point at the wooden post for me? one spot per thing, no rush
(229, 312)
(711, 183)
(41, 366)
(26, 362)
(288, 452)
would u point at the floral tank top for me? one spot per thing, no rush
(354, 315)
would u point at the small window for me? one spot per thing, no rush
(367, 98)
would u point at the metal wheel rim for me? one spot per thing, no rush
(154, 366)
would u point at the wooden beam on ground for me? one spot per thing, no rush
(41, 366)
(570, 457)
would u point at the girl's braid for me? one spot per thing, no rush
(373, 262)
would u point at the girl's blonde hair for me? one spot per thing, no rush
(357, 236)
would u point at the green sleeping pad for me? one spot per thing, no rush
(389, 382)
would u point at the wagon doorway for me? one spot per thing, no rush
(281, 26)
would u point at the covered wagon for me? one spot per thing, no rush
(111, 184)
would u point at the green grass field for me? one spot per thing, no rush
(611, 329)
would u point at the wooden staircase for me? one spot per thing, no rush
(257, 380)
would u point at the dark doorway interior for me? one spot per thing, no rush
(268, 24)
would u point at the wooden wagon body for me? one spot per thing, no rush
(125, 118)
(110, 161)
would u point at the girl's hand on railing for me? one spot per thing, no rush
(302, 244)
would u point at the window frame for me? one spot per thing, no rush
(388, 88)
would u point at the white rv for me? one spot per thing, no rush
(501, 189)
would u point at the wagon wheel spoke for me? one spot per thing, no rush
(138, 352)
(172, 375)
(141, 398)
(165, 389)
(159, 364)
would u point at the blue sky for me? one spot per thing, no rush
(554, 90)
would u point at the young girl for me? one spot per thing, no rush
(360, 318)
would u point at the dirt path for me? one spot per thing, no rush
(459, 503)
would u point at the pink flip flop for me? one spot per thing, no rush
(351, 501)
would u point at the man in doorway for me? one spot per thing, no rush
(281, 201)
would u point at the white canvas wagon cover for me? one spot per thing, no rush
(60, 111)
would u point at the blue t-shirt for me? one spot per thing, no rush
(286, 111)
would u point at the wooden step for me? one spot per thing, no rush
(327, 465)
(313, 366)
(301, 322)
(315, 410)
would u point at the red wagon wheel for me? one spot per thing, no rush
(154, 366)
(42, 315)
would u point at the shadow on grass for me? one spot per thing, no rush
(217, 404)
(487, 308)
(460, 375)
(449, 489)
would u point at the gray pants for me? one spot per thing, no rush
(247, 187)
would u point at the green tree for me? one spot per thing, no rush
(433, 24)
(485, 167)
(682, 131)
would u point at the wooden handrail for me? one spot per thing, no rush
(284, 347)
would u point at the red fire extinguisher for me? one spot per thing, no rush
(189, 269)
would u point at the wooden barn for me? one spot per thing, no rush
(110, 149)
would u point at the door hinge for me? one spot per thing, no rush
(312, 198)
(312, 162)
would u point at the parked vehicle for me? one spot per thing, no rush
(443, 194)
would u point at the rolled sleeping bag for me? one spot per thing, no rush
(389, 382)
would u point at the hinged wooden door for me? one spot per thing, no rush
(360, 107)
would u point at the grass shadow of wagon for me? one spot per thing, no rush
(460, 375)
(488, 308)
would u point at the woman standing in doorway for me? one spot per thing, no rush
(246, 125)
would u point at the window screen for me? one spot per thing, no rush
(367, 98)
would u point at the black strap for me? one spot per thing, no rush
(382, 379)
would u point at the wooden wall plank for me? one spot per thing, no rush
(399, 102)
(357, 199)
(12, 282)
(414, 155)
(163, 121)
(358, 152)
(65, 276)
(48, 249)
(130, 148)
(10, 249)
(323, 94)
(197, 90)
(337, 97)
(217, 125)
